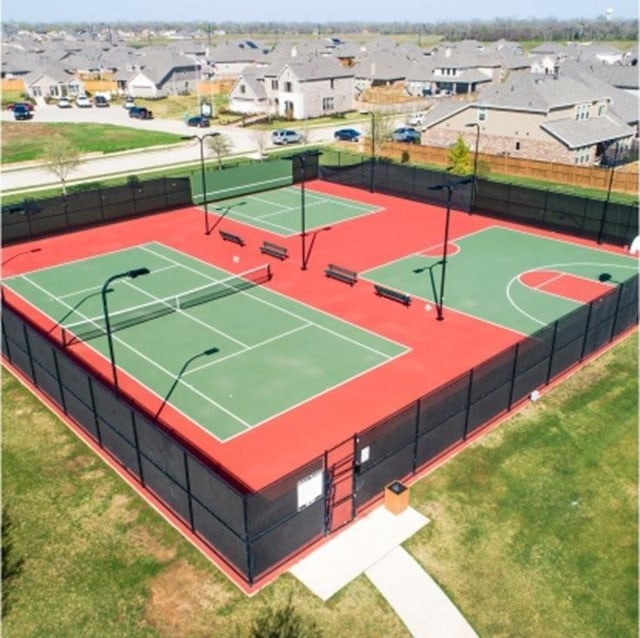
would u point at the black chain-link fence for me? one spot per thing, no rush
(255, 532)
(35, 218)
(597, 219)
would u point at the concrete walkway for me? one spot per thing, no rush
(371, 546)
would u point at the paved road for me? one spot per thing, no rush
(243, 142)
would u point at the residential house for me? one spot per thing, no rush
(297, 89)
(555, 119)
(160, 74)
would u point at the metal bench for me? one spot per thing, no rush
(227, 236)
(342, 274)
(268, 248)
(394, 295)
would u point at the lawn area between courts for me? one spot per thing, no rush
(533, 531)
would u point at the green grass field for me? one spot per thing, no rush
(533, 532)
(23, 143)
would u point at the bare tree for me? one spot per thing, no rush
(60, 158)
(261, 138)
(220, 145)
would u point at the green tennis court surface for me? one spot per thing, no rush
(280, 211)
(490, 276)
(227, 353)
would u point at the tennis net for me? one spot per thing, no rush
(96, 326)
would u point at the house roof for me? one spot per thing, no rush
(443, 110)
(524, 91)
(578, 133)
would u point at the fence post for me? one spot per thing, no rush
(586, 331)
(137, 444)
(552, 351)
(513, 374)
(188, 486)
(95, 412)
(466, 417)
(63, 403)
(247, 541)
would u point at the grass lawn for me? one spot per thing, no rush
(22, 143)
(533, 531)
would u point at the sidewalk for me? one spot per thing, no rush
(371, 546)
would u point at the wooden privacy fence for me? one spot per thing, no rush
(584, 176)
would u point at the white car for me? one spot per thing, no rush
(64, 103)
(83, 101)
(286, 136)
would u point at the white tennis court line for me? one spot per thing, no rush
(171, 375)
(255, 346)
(293, 314)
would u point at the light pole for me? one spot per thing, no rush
(475, 158)
(302, 158)
(201, 139)
(449, 188)
(373, 152)
(606, 203)
(132, 274)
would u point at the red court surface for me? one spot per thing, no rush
(439, 350)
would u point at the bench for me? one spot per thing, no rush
(227, 236)
(394, 295)
(342, 274)
(274, 250)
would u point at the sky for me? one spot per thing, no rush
(412, 11)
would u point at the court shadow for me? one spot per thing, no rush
(314, 235)
(187, 363)
(74, 309)
(225, 211)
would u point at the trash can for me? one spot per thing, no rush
(396, 497)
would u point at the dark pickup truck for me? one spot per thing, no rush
(140, 112)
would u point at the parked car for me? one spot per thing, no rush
(406, 134)
(11, 106)
(83, 102)
(416, 119)
(129, 103)
(64, 103)
(140, 113)
(286, 136)
(22, 112)
(199, 120)
(100, 101)
(347, 135)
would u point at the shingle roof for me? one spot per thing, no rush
(525, 91)
(579, 133)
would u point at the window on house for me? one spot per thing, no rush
(243, 89)
(482, 114)
(327, 104)
(332, 84)
(288, 87)
(274, 85)
(517, 146)
(601, 110)
(582, 112)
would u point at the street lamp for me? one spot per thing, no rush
(373, 152)
(131, 274)
(606, 203)
(475, 158)
(302, 158)
(449, 188)
(201, 139)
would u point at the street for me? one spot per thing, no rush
(243, 142)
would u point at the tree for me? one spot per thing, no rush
(283, 622)
(60, 158)
(460, 158)
(11, 562)
(261, 138)
(220, 145)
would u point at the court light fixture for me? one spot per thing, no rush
(130, 274)
(302, 159)
(449, 188)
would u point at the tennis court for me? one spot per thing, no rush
(280, 211)
(513, 279)
(224, 350)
